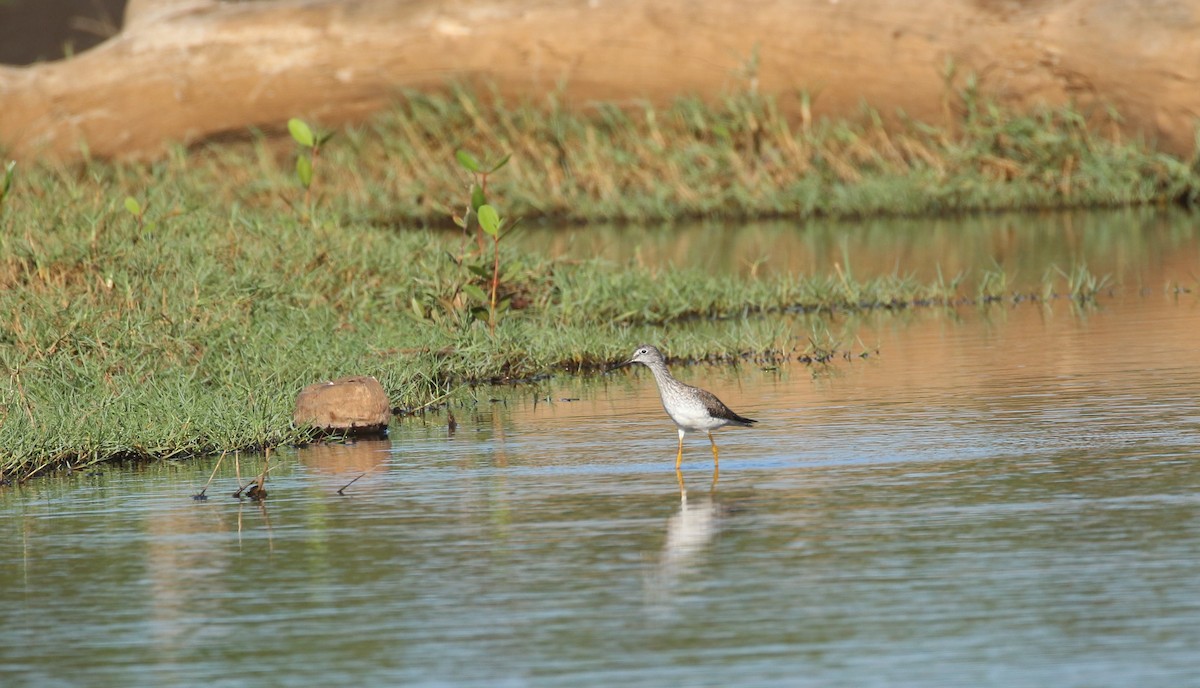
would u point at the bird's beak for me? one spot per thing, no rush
(622, 365)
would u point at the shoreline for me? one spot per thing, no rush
(184, 323)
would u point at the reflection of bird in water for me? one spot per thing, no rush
(693, 409)
(689, 532)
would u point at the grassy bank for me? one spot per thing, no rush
(736, 159)
(186, 323)
(195, 337)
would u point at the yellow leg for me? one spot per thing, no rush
(682, 489)
(716, 460)
(716, 476)
(679, 456)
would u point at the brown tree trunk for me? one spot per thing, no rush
(184, 70)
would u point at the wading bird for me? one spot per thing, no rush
(693, 409)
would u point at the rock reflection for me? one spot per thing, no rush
(345, 458)
(351, 462)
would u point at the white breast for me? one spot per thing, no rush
(694, 417)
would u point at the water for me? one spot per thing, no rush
(1005, 496)
(1136, 247)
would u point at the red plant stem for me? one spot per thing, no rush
(495, 278)
(483, 189)
(312, 180)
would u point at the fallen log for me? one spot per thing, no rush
(187, 70)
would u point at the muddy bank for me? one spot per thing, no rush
(188, 70)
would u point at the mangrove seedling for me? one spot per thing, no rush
(478, 188)
(138, 211)
(10, 170)
(491, 223)
(306, 161)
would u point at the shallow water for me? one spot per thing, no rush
(1136, 247)
(1002, 496)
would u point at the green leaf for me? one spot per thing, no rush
(477, 197)
(475, 292)
(479, 271)
(133, 206)
(304, 171)
(489, 220)
(502, 163)
(9, 170)
(467, 160)
(301, 132)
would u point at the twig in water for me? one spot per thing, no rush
(200, 496)
(349, 484)
(237, 472)
(256, 490)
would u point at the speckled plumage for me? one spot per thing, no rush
(691, 408)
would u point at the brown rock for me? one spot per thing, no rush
(355, 405)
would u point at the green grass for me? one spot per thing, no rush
(738, 159)
(196, 336)
(190, 329)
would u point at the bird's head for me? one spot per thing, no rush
(644, 354)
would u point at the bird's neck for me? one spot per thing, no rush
(661, 375)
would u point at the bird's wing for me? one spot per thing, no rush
(717, 408)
